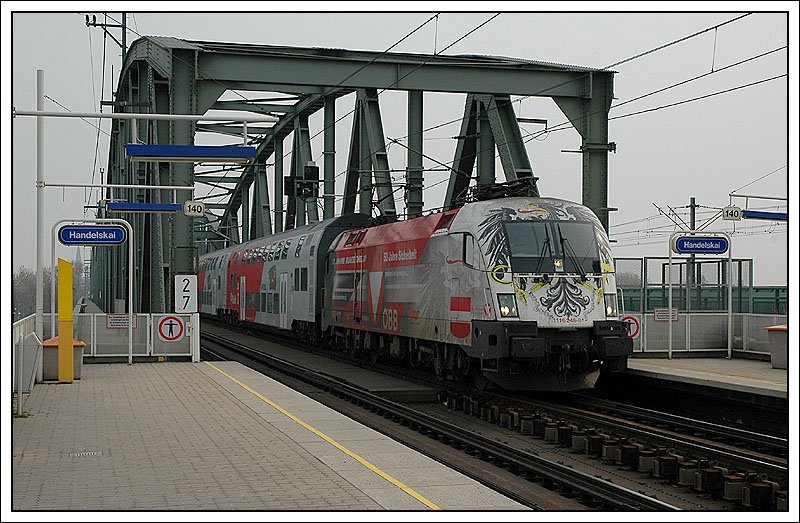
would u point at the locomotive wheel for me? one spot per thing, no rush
(480, 381)
(374, 356)
(464, 363)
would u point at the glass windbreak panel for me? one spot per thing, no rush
(577, 245)
(530, 246)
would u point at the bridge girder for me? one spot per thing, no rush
(170, 75)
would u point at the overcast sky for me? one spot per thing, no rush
(704, 148)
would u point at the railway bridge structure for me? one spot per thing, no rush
(164, 75)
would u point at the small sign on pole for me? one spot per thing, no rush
(731, 212)
(665, 314)
(194, 208)
(120, 321)
(186, 293)
(700, 245)
(632, 324)
(171, 328)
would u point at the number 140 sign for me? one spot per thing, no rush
(186, 293)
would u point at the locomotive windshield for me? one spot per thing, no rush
(552, 247)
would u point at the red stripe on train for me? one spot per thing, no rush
(461, 303)
(459, 329)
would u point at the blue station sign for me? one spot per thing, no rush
(700, 245)
(92, 235)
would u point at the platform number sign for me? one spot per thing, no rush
(186, 293)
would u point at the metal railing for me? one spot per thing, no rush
(704, 332)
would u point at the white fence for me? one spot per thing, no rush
(106, 335)
(704, 332)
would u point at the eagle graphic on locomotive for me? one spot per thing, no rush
(514, 291)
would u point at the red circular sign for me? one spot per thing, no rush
(633, 326)
(170, 328)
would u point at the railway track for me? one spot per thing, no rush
(590, 491)
(671, 449)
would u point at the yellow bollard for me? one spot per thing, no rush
(65, 358)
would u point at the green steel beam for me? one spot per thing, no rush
(420, 73)
(590, 119)
(351, 181)
(507, 136)
(216, 178)
(486, 148)
(464, 158)
(278, 188)
(379, 160)
(232, 130)
(329, 155)
(258, 108)
(414, 173)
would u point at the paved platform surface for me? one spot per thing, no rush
(387, 387)
(214, 436)
(750, 376)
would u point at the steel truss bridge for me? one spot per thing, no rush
(172, 76)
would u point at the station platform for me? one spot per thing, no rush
(214, 436)
(742, 391)
(742, 375)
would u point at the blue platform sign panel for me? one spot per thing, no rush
(700, 245)
(92, 235)
(766, 215)
(188, 153)
(143, 207)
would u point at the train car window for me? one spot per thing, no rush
(311, 252)
(269, 302)
(275, 302)
(350, 238)
(445, 221)
(296, 282)
(286, 249)
(469, 250)
(360, 237)
(263, 302)
(343, 286)
(300, 243)
(304, 279)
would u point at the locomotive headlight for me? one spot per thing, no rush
(611, 304)
(508, 305)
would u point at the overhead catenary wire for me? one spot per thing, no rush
(618, 63)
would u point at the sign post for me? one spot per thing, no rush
(711, 243)
(100, 232)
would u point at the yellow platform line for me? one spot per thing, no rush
(408, 490)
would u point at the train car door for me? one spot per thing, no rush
(283, 288)
(359, 286)
(242, 296)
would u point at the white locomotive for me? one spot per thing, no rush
(515, 291)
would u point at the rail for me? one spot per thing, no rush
(604, 493)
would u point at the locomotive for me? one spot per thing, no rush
(517, 292)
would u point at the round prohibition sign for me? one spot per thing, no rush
(632, 325)
(170, 328)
